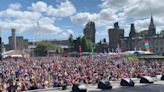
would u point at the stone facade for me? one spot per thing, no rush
(115, 35)
(25, 43)
(133, 42)
(102, 46)
(152, 28)
(14, 46)
(156, 44)
(89, 31)
(19, 42)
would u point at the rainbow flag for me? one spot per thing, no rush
(146, 45)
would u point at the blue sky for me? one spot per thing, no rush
(57, 19)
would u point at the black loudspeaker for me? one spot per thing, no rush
(146, 79)
(127, 82)
(162, 78)
(64, 87)
(79, 88)
(104, 84)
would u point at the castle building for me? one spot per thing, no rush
(12, 40)
(20, 42)
(115, 35)
(134, 42)
(89, 31)
(16, 42)
(152, 28)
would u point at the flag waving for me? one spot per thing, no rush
(80, 50)
(146, 45)
(92, 50)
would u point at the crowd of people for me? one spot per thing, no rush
(45, 72)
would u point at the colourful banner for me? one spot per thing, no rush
(92, 50)
(146, 45)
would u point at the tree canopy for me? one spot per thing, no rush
(43, 46)
(70, 40)
(143, 33)
(85, 44)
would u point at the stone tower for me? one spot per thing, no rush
(89, 31)
(115, 34)
(132, 31)
(152, 28)
(13, 39)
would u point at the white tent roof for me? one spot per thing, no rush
(139, 51)
(13, 53)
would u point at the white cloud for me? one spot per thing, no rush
(63, 35)
(63, 10)
(15, 14)
(15, 6)
(143, 8)
(39, 6)
(38, 18)
(104, 18)
(135, 8)
(70, 31)
(101, 33)
(113, 3)
(125, 12)
(82, 18)
(142, 24)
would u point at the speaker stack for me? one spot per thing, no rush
(146, 79)
(127, 82)
(104, 84)
(162, 77)
(79, 88)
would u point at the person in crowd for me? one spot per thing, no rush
(45, 72)
(12, 87)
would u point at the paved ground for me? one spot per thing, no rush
(158, 86)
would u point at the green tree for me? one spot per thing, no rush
(77, 43)
(41, 50)
(44, 46)
(85, 44)
(143, 33)
(70, 40)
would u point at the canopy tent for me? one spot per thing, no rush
(137, 52)
(14, 54)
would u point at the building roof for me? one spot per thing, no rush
(14, 53)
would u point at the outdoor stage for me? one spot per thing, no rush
(157, 86)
